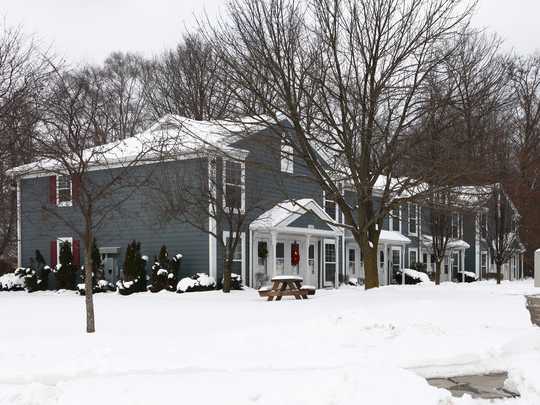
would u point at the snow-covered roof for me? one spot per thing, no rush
(452, 243)
(171, 136)
(393, 237)
(287, 211)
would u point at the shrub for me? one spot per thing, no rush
(197, 282)
(236, 282)
(165, 271)
(134, 267)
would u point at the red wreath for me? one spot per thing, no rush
(295, 254)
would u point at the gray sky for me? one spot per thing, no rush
(88, 30)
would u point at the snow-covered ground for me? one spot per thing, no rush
(342, 346)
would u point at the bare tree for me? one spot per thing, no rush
(499, 227)
(70, 149)
(188, 81)
(349, 77)
(22, 74)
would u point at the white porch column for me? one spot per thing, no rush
(273, 242)
(306, 261)
(385, 263)
(336, 275)
(462, 265)
(403, 249)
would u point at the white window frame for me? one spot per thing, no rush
(336, 209)
(415, 218)
(59, 242)
(392, 218)
(459, 225)
(64, 203)
(483, 254)
(242, 185)
(415, 250)
(287, 157)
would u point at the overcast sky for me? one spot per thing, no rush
(88, 30)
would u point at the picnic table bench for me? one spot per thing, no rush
(283, 286)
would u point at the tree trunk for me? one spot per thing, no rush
(438, 265)
(227, 270)
(88, 287)
(498, 265)
(371, 271)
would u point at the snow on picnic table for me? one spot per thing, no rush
(345, 346)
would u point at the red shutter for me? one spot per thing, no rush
(53, 254)
(76, 187)
(76, 252)
(52, 190)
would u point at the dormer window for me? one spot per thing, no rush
(64, 191)
(287, 157)
(330, 207)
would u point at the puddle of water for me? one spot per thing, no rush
(485, 386)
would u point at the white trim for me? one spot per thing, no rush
(482, 253)
(212, 226)
(19, 223)
(242, 184)
(251, 266)
(227, 234)
(64, 203)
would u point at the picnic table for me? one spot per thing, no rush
(283, 286)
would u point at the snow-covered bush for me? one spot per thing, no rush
(411, 277)
(12, 281)
(135, 267)
(128, 287)
(236, 282)
(165, 270)
(100, 286)
(470, 277)
(197, 282)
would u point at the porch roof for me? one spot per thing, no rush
(427, 241)
(286, 212)
(389, 237)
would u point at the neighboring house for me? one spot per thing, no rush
(288, 215)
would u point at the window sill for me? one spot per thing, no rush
(65, 204)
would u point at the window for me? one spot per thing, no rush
(483, 225)
(352, 261)
(330, 207)
(238, 251)
(381, 258)
(457, 223)
(484, 262)
(413, 219)
(63, 191)
(395, 220)
(287, 157)
(413, 257)
(234, 185)
(446, 265)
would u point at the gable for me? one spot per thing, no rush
(309, 219)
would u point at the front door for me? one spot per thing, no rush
(310, 277)
(396, 262)
(330, 264)
(110, 267)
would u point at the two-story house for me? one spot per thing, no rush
(286, 212)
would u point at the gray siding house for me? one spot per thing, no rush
(286, 212)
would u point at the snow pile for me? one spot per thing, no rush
(417, 275)
(348, 346)
(469, 274)
(198, 282)
(11, 282)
